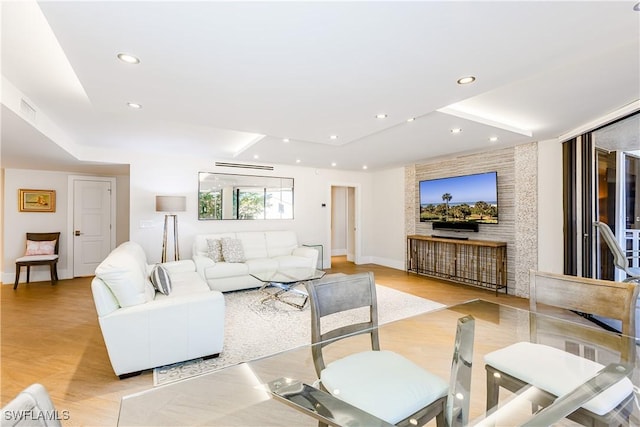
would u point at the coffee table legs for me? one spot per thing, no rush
(283, 289)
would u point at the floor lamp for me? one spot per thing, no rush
(170, 204)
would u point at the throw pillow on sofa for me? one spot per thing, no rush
(214, 250)
(161, 280)
(232, 250)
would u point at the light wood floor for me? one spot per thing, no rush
(50, 334)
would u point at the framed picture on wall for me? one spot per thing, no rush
(37, 200)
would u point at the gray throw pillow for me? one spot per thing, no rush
(161, 280)
(232, 250)
(214, 250)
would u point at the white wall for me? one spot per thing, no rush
(338, 221)
(150, 176)
(388, 213)
(16, 223)
(550, 207)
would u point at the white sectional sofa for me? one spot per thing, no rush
(261, 250)
(143, 328)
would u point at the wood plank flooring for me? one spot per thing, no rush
(50, 334)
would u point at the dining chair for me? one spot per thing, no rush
(41, 249)
(32, 407)
(381, 382)
(555, 371)
(620, 259)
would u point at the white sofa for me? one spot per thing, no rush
(263, 251)
(143, 328)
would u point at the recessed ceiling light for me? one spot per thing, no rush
(466, 80)
(456, 130)
(298, 160)
(411, 119)
(381, 116)
(134, 105)
(493, 139)
(333, 137)
(333, 164)
(285, 140)
(364, 167)
(129, 59)
(636, 7)
(255, 156)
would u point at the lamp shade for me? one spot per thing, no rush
(171, 203)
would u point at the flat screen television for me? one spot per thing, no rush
(460, 199)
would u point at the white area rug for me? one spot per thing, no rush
(254, 329)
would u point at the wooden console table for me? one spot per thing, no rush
(480, 263)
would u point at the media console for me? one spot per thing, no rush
(479, 263)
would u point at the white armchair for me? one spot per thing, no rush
(143, 329)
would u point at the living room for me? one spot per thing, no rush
(45, 152)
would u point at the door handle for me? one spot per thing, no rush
(77, 233)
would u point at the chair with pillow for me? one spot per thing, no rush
(381, 382)
(42, 249)
(555, 371)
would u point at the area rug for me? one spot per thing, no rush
(254, 329)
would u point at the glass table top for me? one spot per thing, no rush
(289, 275)
(239, 395)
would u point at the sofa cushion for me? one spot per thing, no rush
(214, 250)
(161, 279)
(185, 283)
(226, 269)
(293, 261)
(254, 244)
(232, 250)
(262, 264)
(280, 242)
(121, 272)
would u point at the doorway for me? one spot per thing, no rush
(617, 162)
(343, 222)
(92, 222)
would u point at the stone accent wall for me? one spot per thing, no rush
(517, 204)
(526, 238)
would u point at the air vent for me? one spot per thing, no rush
(244, 166)
(27, 110)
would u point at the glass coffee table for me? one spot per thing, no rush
(286, 281)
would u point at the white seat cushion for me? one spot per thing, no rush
(226, 269)
(259, 265)
(28, 258)
(383, 383)
(556, 372)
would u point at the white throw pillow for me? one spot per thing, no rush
(232, 250)
(214, 250)
(161, 279)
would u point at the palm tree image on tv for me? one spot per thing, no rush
(468, 198)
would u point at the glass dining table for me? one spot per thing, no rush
(242, 394)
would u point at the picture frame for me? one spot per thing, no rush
(36, 200)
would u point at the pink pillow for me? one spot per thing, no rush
(40, 248)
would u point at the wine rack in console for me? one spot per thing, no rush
(480, 263)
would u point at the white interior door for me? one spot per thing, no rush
(92, 224)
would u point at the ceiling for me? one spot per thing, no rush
(270, 82)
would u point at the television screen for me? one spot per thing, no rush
(468, 198)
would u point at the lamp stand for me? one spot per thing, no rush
(176, 252)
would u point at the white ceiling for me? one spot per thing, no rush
(231, 80)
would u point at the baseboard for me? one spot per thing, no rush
(38, 274)
(387, 262)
